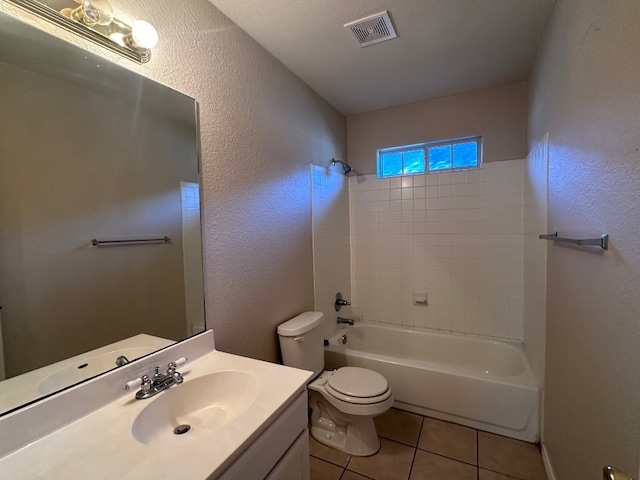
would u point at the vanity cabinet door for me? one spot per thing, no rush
(269, 448)
(294, 465)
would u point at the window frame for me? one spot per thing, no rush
(425, 146)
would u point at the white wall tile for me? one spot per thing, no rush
(332, 237)
(458, 236)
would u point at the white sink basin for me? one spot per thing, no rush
(88, 367)
(205, 404)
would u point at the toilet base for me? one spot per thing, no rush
(347, 433)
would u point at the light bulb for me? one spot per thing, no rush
(91, 12)
(143, 34)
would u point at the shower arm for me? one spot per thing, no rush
(346, 168)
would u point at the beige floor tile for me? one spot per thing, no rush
(321, 470)
(450, 440)
(392, 462)
(428, 466)
(327, 453)
(347, 475)
(510, 457)
(488, 475)
(400, 426)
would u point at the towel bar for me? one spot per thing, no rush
(602, 242)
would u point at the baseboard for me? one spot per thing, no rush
(547, 463)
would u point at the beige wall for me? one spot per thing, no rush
(498, 114)
(260, 129)
(585, 93)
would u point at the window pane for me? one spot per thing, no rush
(465, 155)
(391, 164)
(414, 161)
(440, 157)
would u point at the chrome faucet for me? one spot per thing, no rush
(348, 321)
(338, 302)
(121, 360)
(150, 386)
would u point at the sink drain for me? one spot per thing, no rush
(180, 429)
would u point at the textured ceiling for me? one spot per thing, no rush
(443, 47)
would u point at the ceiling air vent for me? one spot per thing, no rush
(375, 28)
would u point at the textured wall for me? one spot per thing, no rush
(260, 129)
(585, 94)
(498, 114)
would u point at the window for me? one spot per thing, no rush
(442, 156)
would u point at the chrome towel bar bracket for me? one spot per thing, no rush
(602, 242)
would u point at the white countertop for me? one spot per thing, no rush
(102, 446)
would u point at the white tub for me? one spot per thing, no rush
(480, 383)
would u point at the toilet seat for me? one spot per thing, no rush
(358, 407)
(358, 385)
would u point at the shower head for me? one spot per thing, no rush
(345, 167)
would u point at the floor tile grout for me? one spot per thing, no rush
(477, 455)
(477, 467)
(328, 461)
(417, 447)
(449, 458)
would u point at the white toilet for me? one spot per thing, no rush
(343, 402)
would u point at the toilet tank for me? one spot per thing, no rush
(302, 342)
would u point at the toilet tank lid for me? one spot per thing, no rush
(300, 324)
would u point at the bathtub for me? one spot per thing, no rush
(484, 384)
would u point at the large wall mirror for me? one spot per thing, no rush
(91, 151)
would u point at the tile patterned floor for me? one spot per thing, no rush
(422, 448)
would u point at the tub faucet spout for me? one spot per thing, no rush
(348, 321)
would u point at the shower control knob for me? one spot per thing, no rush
(339, 302)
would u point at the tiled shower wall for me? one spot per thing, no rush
(331, 251)
(535, 254)
(455, 237)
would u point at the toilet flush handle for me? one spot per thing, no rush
(299, 339)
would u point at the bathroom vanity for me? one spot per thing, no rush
(247, 419)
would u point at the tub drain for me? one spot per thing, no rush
(180, 429)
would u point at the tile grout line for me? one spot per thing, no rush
(450, 458)
(415, 449)
(477, 454)
(329, 461)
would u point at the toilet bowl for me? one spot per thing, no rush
(343, 402)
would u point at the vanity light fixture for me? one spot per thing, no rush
(95, 12)
(94, 20)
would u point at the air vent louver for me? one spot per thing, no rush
(373, 29)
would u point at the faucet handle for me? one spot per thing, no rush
(338, 302)
(145, 381)
(132, 384)
(172, 366)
